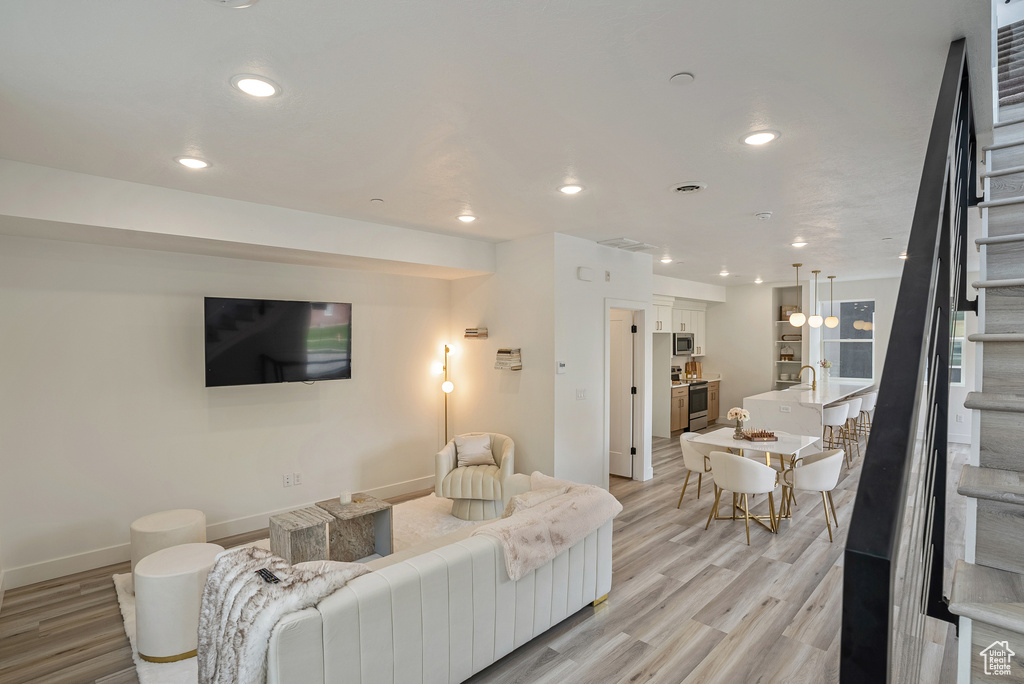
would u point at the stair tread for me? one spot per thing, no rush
(989, 595)
(1000, 239)
(1004, 282)
(990, 401)
(996, 337)
(992, 484)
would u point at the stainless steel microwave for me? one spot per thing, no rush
(682, 343)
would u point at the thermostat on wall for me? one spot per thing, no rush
(560, 367)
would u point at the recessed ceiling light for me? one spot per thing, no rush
(666, 260)
(377, 199)
(763, 215)
(571, 189)
(903, 256)
(682, 78)
(467, 218)
(724, 273)
(235, 4)
(758, 281)
(192, 162)
(257, 86)
(799, 244)
(760, 137)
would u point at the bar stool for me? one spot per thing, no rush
(850, 427)
(867, 409)
(833, 417)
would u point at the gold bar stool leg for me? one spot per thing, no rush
(824, 505)
(685, 482)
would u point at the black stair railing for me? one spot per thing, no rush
(894, 554)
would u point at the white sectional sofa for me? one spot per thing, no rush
(436, 613)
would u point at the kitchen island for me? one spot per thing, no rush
(798, 410)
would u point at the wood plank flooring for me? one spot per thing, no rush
(687, 605)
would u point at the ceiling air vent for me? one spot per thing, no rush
(688, 188)
(627, 244)
(234, 4)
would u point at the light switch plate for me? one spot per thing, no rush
(786, 409)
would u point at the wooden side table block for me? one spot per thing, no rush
(301, 535)
(358, 529)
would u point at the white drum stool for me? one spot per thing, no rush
(157, 531)
(168, 596)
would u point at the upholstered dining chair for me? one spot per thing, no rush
(743, 476)
(815, 473)
(695, 458)
(476, 486)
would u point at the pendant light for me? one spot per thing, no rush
(815, 320)
(797, 319)
(831, 321)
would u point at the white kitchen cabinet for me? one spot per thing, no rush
(681, 320)
(698, 323)
(662, 318)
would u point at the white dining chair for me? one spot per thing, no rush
(744, 476)
(815, 473)
(695, 458)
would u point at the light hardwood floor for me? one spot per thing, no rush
(687, 605)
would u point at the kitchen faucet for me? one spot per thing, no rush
(814, 376)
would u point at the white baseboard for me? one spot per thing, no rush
(13, 578)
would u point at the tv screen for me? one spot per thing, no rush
(256, 341)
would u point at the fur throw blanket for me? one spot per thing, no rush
(533, 536)
(239, 610)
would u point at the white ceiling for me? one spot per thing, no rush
(486, 107)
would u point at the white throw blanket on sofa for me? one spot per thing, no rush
(240, 610)
(534, 536)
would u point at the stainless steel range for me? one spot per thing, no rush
(698, 405)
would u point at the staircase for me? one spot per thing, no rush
(990, 590)
(1010, 46)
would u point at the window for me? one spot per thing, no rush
(956, 357)
(850, 346)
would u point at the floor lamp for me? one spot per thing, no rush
(446, 387)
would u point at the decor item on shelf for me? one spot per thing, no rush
(345, 497)
(797, 318)
(476, 333)
(786, 353)
(831, 321)
(815, 320)
(759, 436)
(447, 388)
(792, 338)
(509, 359)
(739, 415)
(786, 310)
(826, 365)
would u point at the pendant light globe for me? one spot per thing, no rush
(797, 319)
(831, 322)
(815, 321)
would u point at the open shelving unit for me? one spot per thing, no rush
(786, 296)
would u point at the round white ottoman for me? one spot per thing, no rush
(157, 531)
(168, 595)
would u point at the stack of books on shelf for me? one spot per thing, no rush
(508, 359)
(476, 333)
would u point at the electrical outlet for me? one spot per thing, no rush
(607, 276)
(959, 417)
(785, 409)
(297, 478)
(288, 480)
(581, 393)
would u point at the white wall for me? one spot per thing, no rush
(688, 289)
(516, 305)
(581, 339)
(105, 417)
(740, 333)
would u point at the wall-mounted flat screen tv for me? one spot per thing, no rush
(256, 341)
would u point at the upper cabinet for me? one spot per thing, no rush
(681, 321)
(698, 328)
(662, 317)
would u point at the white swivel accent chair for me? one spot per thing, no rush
(816, 473)
(695, 458)
(743, 476)
(476, 490)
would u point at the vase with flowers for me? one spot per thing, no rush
(739, 415)
(825, 366)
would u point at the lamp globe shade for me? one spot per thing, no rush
(831, 322)
(815, 321)
(447, 386)
(797, 319)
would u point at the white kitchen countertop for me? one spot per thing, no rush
(828, 391)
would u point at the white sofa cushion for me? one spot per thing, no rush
(472, 482)
(473, 450)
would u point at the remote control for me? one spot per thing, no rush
(268, 576)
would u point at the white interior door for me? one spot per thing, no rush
(620, 438)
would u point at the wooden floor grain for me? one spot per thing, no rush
(686, 606)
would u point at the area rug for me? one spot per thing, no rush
(412, 522)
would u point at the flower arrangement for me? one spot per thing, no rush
(736, 413)
(825, 363)
(739, 415)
